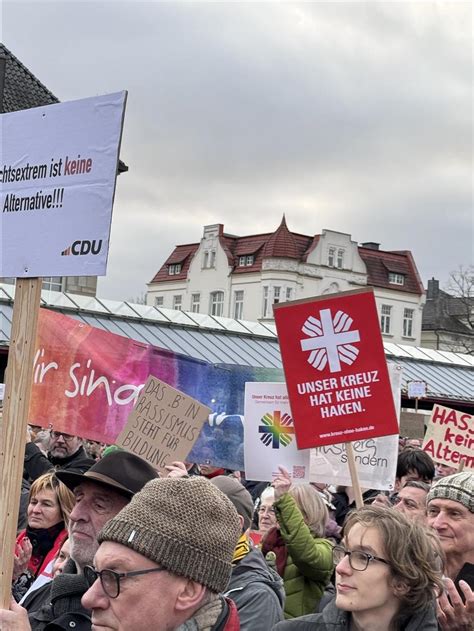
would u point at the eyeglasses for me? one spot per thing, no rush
(358, 560)
(266, 509)
(110, 580)
(66, 437)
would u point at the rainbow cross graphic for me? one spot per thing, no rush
(277, 429)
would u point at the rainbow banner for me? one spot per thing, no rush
(86, 382)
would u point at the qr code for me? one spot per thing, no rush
(299, 472)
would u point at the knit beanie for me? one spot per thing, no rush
(186, 525)
(458, 487)
(238, 495)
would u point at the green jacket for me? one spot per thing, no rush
(309, 563)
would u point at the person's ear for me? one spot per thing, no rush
(400, 588)
(190, 595)
(241, 521)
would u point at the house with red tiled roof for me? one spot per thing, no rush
(241, 277)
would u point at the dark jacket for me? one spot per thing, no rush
(258, 592)
(36, 463)
(227, 619)
(63, 604)
(333, 619)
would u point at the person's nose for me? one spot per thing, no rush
(79, 512)
(439, 521)
(95, 597)
(344, 566)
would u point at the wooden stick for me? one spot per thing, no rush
(461, 465)
(16, 403)
(354, 476)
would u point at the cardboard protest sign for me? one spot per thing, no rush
(58, 171)
(412, 425)
(335, 369)
(449, 438)
(270, 436)
(376, 458)
(163, 425)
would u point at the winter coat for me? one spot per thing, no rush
(334, 619)
(63, 606)
(309, 563)
(258, 592)
(205, 618)
(36, 463)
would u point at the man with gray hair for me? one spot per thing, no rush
(164, 559)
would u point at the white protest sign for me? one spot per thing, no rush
(376, 458)
(2, 391)
(58, 166)
(269, 436)
(416, 389)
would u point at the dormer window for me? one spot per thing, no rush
(396, 279)
(246, 261)
(174, 269)
(340, 259)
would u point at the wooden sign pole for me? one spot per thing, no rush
(354, 476)
(19, 375)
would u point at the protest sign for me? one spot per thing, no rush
(2, 391)
(416, 389)
(58, 171)
(164, 424)
(376, 458)
(269, 434)
(449, 438)
(335, 368)
(412, 425)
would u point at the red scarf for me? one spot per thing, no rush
(273, 542)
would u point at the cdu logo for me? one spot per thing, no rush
(82, 248)
(330, 340)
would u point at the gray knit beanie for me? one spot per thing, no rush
(458, 487)
(185, 525)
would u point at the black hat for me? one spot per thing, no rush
(122, 471)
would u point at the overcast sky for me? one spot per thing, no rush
(351, 116)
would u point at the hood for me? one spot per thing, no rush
(252, 569)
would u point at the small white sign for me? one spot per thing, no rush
(416, 389)
(269, 437)
(58, 166)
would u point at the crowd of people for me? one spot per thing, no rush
(105, 543)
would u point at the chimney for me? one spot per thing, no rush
(433, 289)
(371, 245)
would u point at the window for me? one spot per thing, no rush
(195, 302)
(331, 256)
(178, 302)
(276, 295)
(289, 293)
(386, 318)
(217, 303)
(205, 260)
(238, 304)
(159, 301)
(245, 261)
(340, 258)
(408, 322)
(265, 302)
(396, 279)
(212, 258)
(174, 269)
(52, 283)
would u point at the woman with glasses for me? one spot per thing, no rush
(388, 573)
(303, 556)
(50, 504)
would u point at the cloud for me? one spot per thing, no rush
(350, 116)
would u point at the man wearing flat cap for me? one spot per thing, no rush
(100, 494)
(164, 559)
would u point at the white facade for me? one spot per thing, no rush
(333, 265)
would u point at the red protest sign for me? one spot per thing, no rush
(335, 369)
(449, 437)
